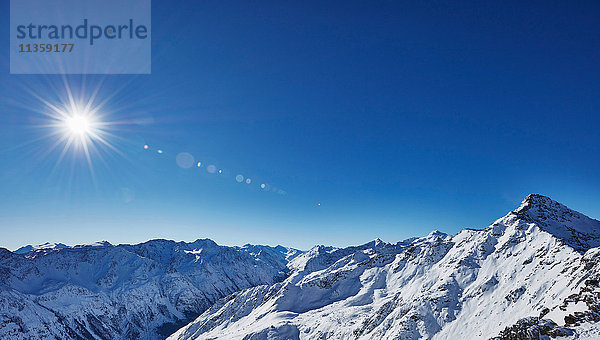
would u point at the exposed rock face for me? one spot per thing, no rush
(533, 328)
(531, 274)
(146, 291)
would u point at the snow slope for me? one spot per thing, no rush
(533, 273)
(142, 291)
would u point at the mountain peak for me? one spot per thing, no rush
(537, 200)
(576, 229)
(542, 209)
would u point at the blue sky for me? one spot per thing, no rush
(398, 118)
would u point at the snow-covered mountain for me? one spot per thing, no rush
(47, 245)
(143, 291)
(533, 273)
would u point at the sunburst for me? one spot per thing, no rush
(78, 126)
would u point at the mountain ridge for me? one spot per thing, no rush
(520, 274)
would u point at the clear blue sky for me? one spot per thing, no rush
(397, 117)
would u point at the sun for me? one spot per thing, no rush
(78, 125)
(79, 128)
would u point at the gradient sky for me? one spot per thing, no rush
(397, 117)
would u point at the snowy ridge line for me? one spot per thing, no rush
(533, 273)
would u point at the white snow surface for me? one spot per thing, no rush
(471, 285)
(142, 291)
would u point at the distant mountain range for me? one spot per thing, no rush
(534, 273)
(143, 291)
